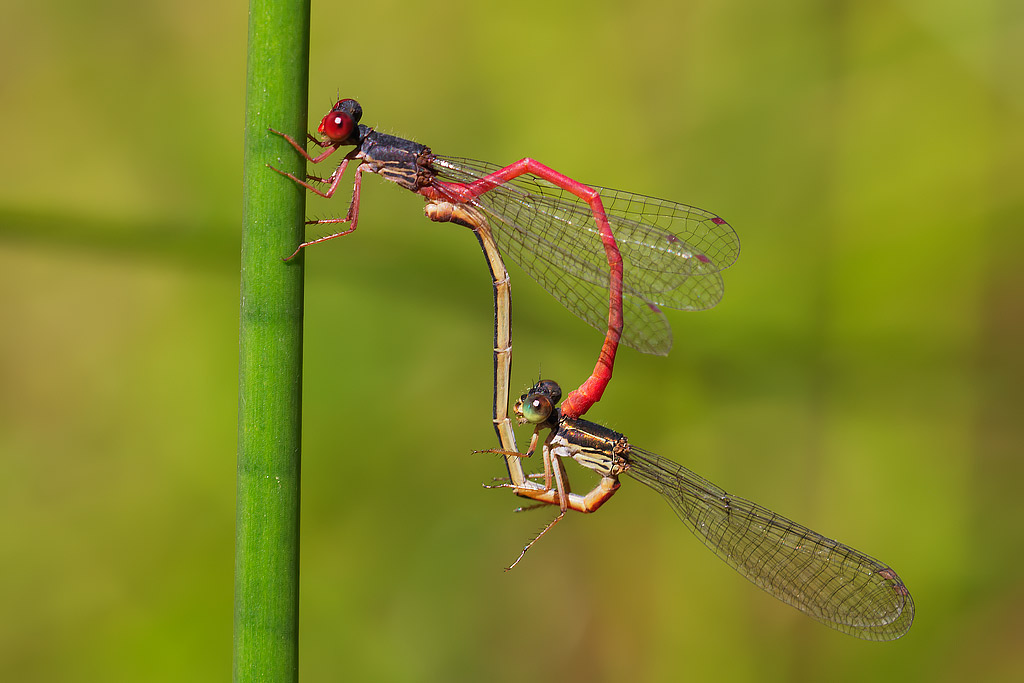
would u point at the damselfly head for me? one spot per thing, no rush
(537, 405)
(341, 125)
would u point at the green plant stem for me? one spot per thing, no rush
(270, 345)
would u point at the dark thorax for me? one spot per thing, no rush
(401, 161)
(598, 448)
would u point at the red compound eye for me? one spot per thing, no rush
(337, 125)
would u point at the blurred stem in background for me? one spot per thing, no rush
(270, 354)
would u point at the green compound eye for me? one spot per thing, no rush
(537, 408)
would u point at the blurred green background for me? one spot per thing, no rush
(862, 375)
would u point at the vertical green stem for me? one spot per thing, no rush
(270, 362)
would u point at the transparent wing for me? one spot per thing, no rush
(834, 583)
(672, 253)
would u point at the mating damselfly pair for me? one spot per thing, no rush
(615, 259)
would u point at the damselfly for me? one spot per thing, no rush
(832, 582)
(613, 258)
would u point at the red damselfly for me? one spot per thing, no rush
(831, 582)
(608, 256)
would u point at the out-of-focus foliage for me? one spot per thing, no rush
(862, 375)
